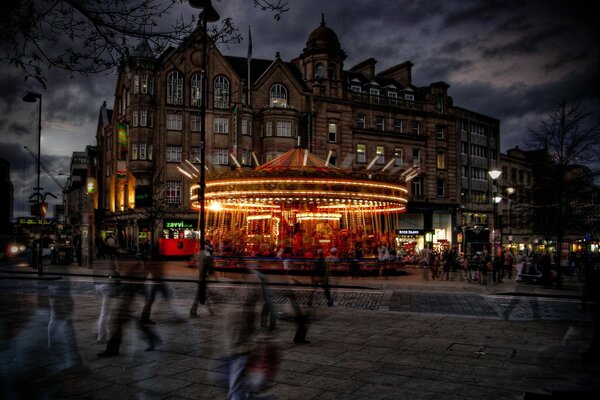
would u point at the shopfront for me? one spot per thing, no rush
(178, 238)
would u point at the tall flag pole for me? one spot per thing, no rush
(249, 62)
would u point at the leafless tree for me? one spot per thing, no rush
(87, 37)
(569, 158)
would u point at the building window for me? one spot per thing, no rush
(332, 133)
(173, 153)
(221, 156)
(380, 152)
(416, 156)
(195, 125)
(319, 71)
(440, 187)
(360, 121)
(221, 125)
(174, 88)
(278, 96)
(440, 132)
(174, 121)
(331, 70)
(195, 155)
(398, 157)
(150, 118)
(221, 95)
(136, 84)
(173, 192)
(134, 151)
(268, 129)
(244, 157)
(135, 118)
(464, 148)
(356, 90)
(439, 104)
(284, 129)
(143, 153)
(417, 187)
(441, 160)
(379, 124)
(374, 95)
(398, 126)
(361, 153)
(415, 127)
(150, 148)
(196, 90)
(270, 155)
(147, 84)
(246, 127)
(409, 97)
(464, 171)
(143, 117)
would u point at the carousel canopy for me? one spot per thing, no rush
(297, 159)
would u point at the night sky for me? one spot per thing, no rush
(511, 60)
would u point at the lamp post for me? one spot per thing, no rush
(32, 97)
(494, 175)
(209, 14)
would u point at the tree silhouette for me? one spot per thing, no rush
(89, 37)
(564, 171)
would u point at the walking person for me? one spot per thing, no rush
(509, 260)
(111, 246)
(321, 272)
(355, 263)
(130, 287)
(106, 285)
(204, 267)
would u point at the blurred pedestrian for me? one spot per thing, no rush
(106, 285)
(155, 284)
(204, 267)
(355, 263)
(591, 299)
(130, 287)
(321, 272)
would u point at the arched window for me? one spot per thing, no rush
(331, 71)
(174, 88)
(196, 90)
(319, 71)
(278, 96)
(221, 92)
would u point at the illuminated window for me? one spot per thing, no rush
(398, 157)
(332, 133)
(361, 153)
(278, 96)
(441, 160)
(196, 90)
(150, 152)
(174, 88)
(134, 151)
(380, 152)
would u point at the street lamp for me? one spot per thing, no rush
(494, 175)
(209, 14)
(32, 97)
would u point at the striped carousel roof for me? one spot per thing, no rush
(297, 159)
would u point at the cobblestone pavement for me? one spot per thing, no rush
(385, 339)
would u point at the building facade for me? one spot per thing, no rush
(355, 118)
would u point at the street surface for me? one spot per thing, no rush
(394, 337)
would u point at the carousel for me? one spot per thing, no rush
(297, 203)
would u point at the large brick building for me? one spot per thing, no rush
(355, 118)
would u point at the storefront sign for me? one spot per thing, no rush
(172, 224)
(33, 221)
(410, 232)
